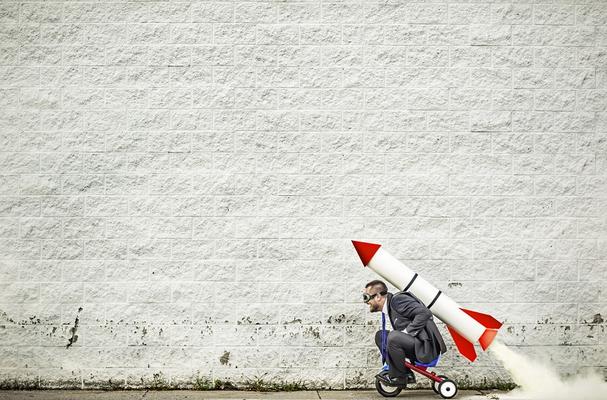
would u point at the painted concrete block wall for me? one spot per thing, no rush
(179, 182)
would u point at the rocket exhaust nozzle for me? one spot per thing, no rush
(487, 338)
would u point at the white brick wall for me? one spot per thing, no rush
(179, 182)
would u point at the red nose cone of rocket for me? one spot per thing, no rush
(365, 251)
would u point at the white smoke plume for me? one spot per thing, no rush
(539, 381)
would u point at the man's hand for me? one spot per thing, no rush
(409, 333)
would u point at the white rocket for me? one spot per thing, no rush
(465, 326)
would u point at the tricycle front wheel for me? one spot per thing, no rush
(385, 390)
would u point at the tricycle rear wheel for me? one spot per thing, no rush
(435, 383)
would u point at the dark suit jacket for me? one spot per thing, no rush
(407, 311)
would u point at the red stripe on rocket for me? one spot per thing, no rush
(465, 326)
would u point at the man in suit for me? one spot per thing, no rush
(414, 335)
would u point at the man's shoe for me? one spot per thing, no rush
(392, 380)
(410, 378)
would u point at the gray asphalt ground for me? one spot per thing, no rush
(242, 395)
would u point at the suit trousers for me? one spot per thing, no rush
(400, 346)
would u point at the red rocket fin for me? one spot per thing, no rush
(486, 320)
(465, 348)
(366, 251)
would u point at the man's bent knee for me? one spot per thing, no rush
(394, 337)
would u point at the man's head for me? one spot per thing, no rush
(375, 295)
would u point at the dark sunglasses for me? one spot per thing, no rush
(368, 297)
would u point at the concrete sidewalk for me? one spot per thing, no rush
(242, 395)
